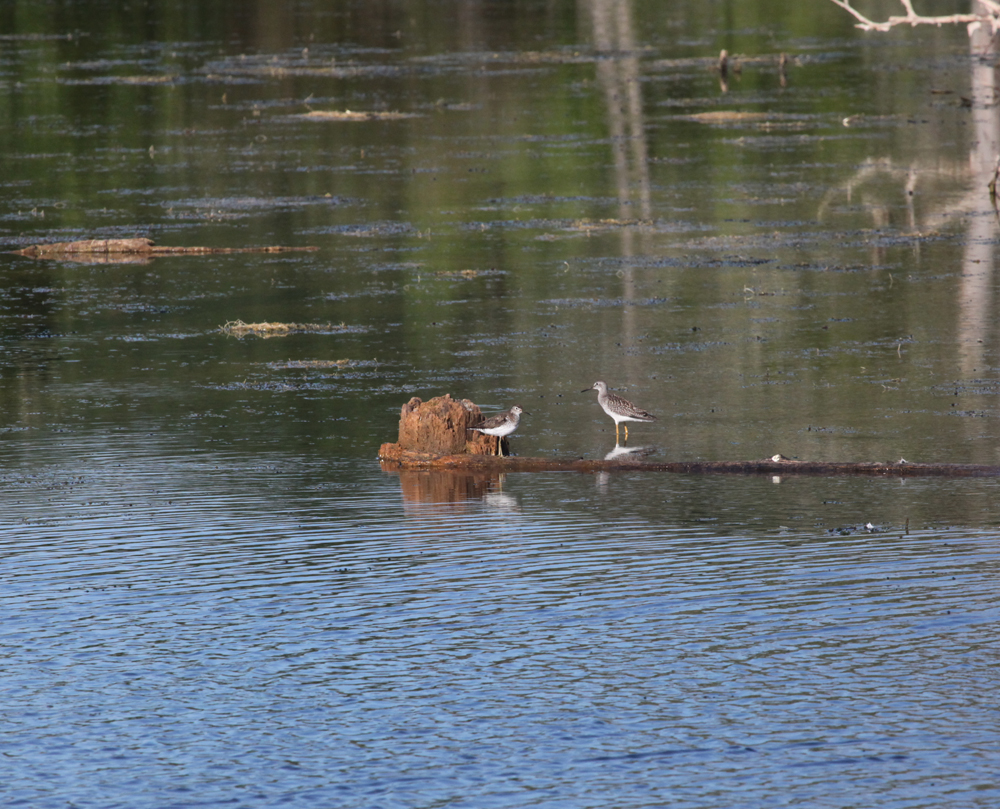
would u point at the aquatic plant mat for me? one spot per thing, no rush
(237, 328)
(138, 247)
(354, 115)
(292, 365)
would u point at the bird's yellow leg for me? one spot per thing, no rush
(626, 432)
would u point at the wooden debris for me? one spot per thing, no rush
(137, 247)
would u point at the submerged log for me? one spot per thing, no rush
(137, 247)
(436, 435)
(484, 463)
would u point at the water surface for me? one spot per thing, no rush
(214, 595)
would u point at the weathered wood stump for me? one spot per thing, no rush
(438, 428)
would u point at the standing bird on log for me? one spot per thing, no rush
(618, 408)
(501, 425)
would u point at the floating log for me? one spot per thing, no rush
(435, 435)
(138, 247)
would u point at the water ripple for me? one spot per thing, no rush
(189, 624)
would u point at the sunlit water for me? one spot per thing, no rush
(212, 595)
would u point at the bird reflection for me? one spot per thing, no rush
(501, 501)
(498, 500)
(447, 491)
(621, 451)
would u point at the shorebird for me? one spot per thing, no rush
(618, 408)
(501, 425)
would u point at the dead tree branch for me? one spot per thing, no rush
(989, 14)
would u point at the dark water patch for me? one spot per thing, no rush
(324, 365)
(272, 386)
(368, 230)
(695, 346)
(275, 67)
(969, 387)
(139, 307)
(467, 275)
(368, 292)
(780, 143)
(549, 199)
(737, 261)
(838, 268)
(569, 55)
(642, 262)
(835, 430)
(600, 303)
(583, 226)
(802, 239)
(254, 205)
(158, 336)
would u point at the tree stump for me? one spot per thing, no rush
(437, 428)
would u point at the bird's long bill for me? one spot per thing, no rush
(585, 390)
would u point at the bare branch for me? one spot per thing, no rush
(865, 24)
(990, 15)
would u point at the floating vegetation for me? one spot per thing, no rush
(138, 247)
(353, 115)
(763, 120)
(588, 225)
(463, 273)
(237, 328)
(311, 364)
(170, 79)
(729, 116)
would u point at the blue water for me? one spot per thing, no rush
(196, 630)
(211, 595)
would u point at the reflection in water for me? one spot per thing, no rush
(618, 74)
(501, 501)
(621, 451)
(976, 302)
(975, 326)
(445, 489)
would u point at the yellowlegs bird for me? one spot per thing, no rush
(501, 425)
(618, 408)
